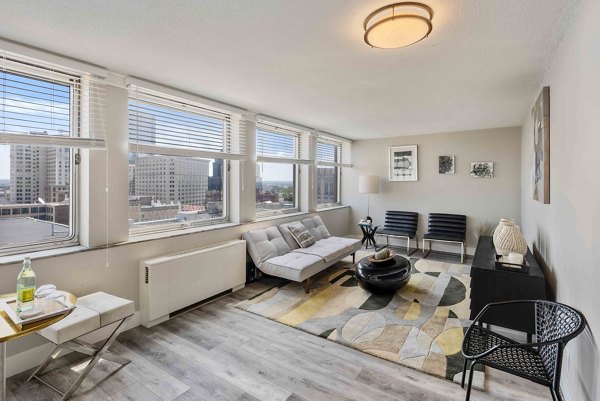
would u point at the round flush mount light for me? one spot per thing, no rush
(398, 25)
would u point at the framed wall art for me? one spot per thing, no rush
(540, 174)
(446, 164)
(403, 163)
(482, 169)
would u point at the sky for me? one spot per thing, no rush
(31, 105)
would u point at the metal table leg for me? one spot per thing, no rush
(2, 371)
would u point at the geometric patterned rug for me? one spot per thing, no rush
(420, 326)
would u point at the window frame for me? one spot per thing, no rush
(167, 101)
(17, 68)
(338, 190)
(282, 212)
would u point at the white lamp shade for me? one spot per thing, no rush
(368, 184)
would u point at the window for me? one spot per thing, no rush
(329, 170)
(178, 162)
(280, 152)
(42, 125)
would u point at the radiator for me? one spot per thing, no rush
(171, 283)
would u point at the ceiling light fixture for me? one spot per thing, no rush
(398, 25)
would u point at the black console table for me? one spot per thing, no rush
(489, 284)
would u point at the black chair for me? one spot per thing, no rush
(402, 225)
(555, 325)
(446, 228)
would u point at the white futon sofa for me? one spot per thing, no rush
(275, 251)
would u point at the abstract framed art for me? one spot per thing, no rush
(446, 164)
(482, 169)
(540, 174)
(403, 163)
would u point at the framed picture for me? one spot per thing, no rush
(403, 163)
(482, 169)
(446, 164)
(540, 174)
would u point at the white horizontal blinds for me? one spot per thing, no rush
(280, 144)
(166, 125)
(48, 105)
(330, 152)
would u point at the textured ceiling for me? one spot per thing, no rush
(305, 61)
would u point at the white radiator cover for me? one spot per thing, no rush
(173, 282)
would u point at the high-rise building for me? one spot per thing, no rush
(39, 172)
(58, 167)
(327, 185)
(172, 179)
(27, 173)
(215, 181)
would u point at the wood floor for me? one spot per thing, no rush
(218, 352)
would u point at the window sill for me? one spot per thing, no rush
(335, 207)
(46, 253)
(135, 238)
(280, 216)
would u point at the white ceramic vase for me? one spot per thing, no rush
(503, 222)
(510, 239)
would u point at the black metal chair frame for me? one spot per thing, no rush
(460, 241)
(551, 339)
(400, 234)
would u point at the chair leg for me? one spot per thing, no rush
(471, 371)
(353, 257)
(462, 252)
(407, 246)
(462, 382)
(555, 394)
(424, 248)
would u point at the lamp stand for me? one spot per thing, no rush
(368, 208)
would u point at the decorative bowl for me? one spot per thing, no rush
(372, 259)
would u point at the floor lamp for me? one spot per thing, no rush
(368, 184)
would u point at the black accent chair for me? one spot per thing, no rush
(555, 325)
(446, 228)
(402, 225)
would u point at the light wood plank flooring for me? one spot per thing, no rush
(217, 352)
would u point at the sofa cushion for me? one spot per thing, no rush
(264, 244)
(301, 235)
(328, 250)
(350, 245)
(316, 227)
(294, 266)
(287, 235)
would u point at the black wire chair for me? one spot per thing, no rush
(555, 325)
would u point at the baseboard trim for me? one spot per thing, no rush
(31, 358)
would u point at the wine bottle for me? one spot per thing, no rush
(26, 287)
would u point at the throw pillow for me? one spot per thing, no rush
(301, 235)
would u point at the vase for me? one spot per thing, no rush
(510, 239)
(503, 222)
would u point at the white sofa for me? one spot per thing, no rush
(275, 252)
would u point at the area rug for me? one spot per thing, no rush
(420, 326)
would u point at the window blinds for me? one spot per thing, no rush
(163, 124)
(45, 104)
(330, 152)
(281, 144)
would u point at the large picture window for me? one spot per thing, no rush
(329, 170)
(280, 152)
(178, 160)
(39, 129)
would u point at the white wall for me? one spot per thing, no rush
(480, 199)
(566, 233)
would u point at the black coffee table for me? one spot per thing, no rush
(387, 277)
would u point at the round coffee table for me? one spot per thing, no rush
(388, 277)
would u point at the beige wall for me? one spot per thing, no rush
(566, 233)
(479, 198)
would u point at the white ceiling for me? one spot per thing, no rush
(305, 60)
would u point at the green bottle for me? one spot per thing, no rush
(26, 287)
